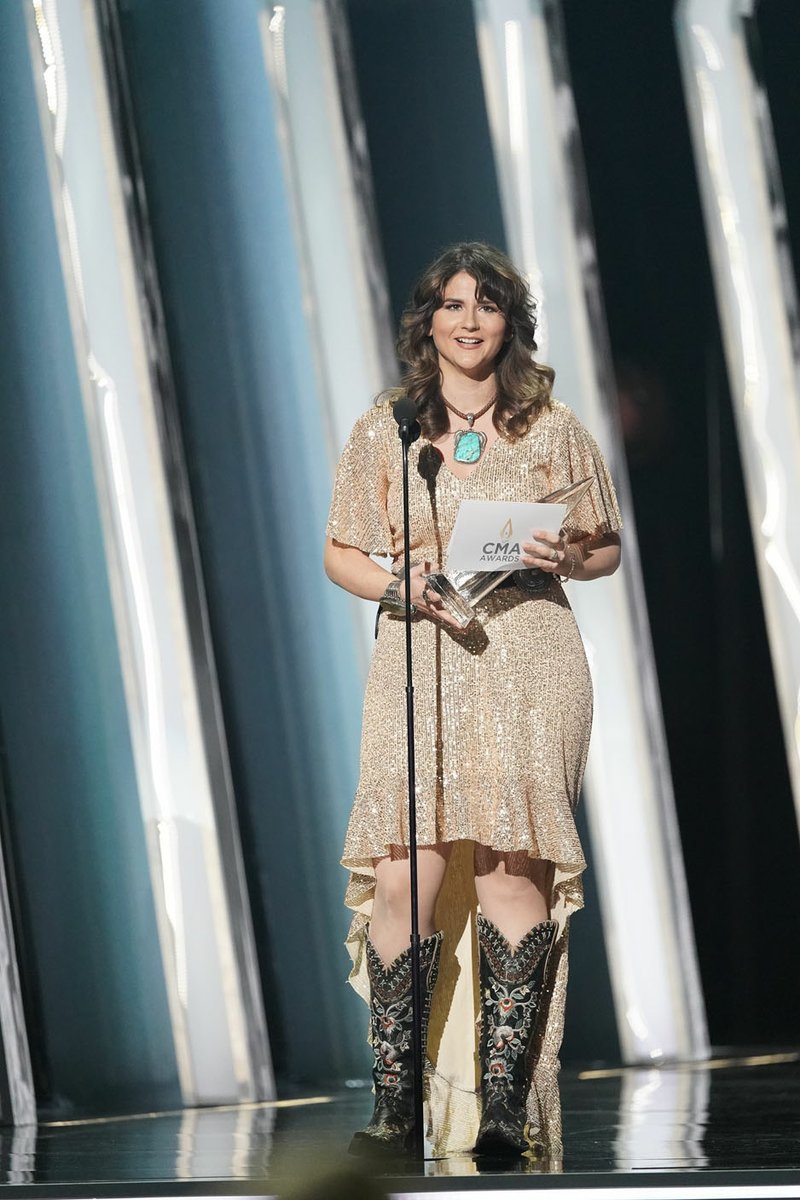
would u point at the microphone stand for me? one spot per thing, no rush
(409, 432)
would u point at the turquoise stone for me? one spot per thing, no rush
(468, 446)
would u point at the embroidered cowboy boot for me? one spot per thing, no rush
(392, 1125)
(511, 987)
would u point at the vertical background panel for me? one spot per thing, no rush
(422, 98)
(94, 981)
(729, 771)
(630, 802)
(774, 39)
(255, 437)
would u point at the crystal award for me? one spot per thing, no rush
(461, 591)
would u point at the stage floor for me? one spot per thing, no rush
(729, 1128)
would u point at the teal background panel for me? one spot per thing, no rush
(255, 436)
(92, 968)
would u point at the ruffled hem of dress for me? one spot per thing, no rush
(524, 817)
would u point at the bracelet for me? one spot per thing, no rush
(573, 562)
(392, 601)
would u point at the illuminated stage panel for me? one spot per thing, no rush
(630, 803)
(746, 227)
(183, 779)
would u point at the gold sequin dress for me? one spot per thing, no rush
(503, 713)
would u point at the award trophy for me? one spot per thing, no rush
(460, 591)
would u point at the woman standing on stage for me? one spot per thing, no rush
(503, 717)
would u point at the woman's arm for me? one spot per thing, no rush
(356, 572)
(593, 557)
(590, 558)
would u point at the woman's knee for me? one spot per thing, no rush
(508, 877)
(503, 888)
(393, 882)
(393, 892)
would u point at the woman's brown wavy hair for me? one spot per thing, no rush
(524, 387)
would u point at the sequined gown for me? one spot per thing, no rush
(503, 713)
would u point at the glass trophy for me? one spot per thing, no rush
(461, 591)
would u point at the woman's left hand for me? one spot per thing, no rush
(548, 551)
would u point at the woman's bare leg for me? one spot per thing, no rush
(390, 925)
(513, 890)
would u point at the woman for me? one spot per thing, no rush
(503, 716)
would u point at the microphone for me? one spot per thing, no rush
(404, 412)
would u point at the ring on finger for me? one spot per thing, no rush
(554, 555)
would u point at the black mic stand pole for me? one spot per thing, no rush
(409, 432)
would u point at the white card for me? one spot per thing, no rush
(488, 534)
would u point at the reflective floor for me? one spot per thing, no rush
(732, 1118)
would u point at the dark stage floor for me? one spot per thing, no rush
(727, 1128)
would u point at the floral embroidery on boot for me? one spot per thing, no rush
(391, 1027)
(511, 985)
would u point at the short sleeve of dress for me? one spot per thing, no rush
(578, 457)
(358, 514)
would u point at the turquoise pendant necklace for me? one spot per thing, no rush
(469, 443)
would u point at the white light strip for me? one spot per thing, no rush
(214, 1033)
(633, 827)
(743, 206)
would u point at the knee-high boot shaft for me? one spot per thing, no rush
(391, 1034)
(511, 983)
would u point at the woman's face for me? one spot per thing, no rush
(468, 333)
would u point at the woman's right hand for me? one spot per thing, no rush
(423, 596)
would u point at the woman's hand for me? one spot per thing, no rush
(548, 551)
(423, 596)
(357, 573)
(589, 558)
